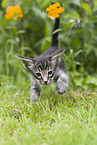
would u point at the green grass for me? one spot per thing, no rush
(69, 119)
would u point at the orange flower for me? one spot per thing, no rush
(54, 11)
(56, 5)
(14, 12)
(20, 15)
(50, 8)
(60, 10)
(9, 16)
(9, 9)
(17, 9)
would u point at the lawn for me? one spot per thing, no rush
(69, 119)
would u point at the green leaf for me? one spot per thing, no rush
(39, 13)
(91, 80)
(95, 6)
(58, 30)
(45, 4)
(79, 82)
(76, 42)
(3, 31)
(45, 43)
(21, 32)
(25, 48)
(47, 29)
(4, 3)
(11, 41)
(77, 53)
(76, 15)
(87, 8)
(76, 2)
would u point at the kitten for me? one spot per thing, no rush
(47, 67)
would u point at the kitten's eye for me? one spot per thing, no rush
(38, 74)
(50, 72)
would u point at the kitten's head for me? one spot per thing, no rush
(42, 68)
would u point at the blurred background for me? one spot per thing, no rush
(31, 35)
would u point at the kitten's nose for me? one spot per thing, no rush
(45, 82)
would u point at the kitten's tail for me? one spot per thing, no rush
(54, 40)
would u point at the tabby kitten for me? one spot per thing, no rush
(47, 67)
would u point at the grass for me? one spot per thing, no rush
(69, 119)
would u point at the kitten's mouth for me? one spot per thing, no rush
(45, 83)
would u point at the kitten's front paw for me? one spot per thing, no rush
(61, 88)
(60, 91)
(33, 100)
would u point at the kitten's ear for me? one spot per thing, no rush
(57, 53)
(28, 63)
(55, 57)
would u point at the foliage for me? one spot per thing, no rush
(30, 36)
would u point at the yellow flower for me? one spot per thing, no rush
(14, 12)
(54, 10)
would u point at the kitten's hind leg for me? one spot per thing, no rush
(34, 90)
(62, 81)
